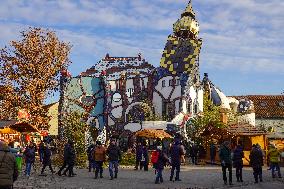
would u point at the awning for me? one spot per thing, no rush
(153, 133)
(7, 131)
(24, 127)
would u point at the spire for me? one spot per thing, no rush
(188, 11)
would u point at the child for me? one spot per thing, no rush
(159, 160)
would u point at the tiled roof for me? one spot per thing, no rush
(114, 66)
(266, 106)
(244, 129)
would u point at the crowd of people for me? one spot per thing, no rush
(160, 157)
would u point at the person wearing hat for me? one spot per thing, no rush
(114, 156)
(256, 162)
(226, 161)
(99, 157)
(274, 158)
(8, 167)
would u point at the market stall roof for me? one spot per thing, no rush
(153, 133)
(7, 131)
(23, 127)
(244, 129)
(275, 136)
(7, 123)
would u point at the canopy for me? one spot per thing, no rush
(7, 131)
(23, 127)
(153, 133)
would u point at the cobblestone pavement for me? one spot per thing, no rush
(197, 177)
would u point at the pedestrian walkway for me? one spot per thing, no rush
(199, 177)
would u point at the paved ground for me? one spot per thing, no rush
(196, 177)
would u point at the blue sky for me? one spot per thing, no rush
(243, 41)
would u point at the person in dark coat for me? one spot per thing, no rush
(256, 162)
(238, 162)
(226, 161)
(145, 158)
(176, 152)
(8, 167)
(30, 158)
(159, 166)
(41, 151)
(70, 159)
(64, 159)
(47, 159)
(212, 153)
(194, 154)
(114, 155)
(139, 153)
(90, 151)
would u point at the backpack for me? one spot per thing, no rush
(155, 157)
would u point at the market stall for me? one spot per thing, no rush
(152, 137)
(277, 139)
(245, 134)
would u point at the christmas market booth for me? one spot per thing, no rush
(277, 139)
(244, 134)
(7, 133)
(153, 136)
(19, 131)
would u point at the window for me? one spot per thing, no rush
(189, 107)
(177, 82)
(195, 108)
(170, 82)
(263, 104)
(180, 105)
(129, 92)
(281, 104)
(163, 83)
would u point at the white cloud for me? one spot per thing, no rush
(246, 35)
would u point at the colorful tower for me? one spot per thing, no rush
(181, 53)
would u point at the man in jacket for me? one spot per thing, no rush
(256, 161)
(30, 158)
(238, 162)
(8, 167)
(90, 152)
(70, 159)
(64, 158)
(99, 156)
(114, 156)
(274, 158)
(46, 161)
(176, 152)
(226, 161)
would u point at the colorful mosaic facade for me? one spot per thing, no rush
(181, 53)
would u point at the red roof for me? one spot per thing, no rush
(266, 106)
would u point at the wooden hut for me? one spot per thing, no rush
(244, 134)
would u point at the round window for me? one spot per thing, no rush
(263, 104)
(116, 97)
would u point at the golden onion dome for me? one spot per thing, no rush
(187, 22)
